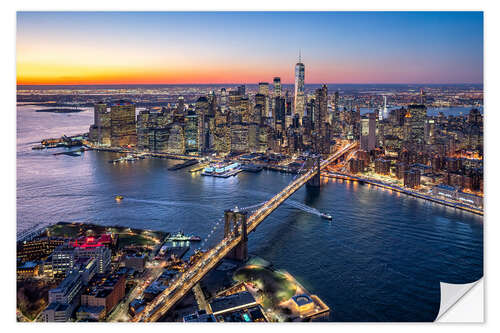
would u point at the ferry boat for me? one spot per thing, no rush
(179, 237)
(223, 170)
(119, 198)
(326, 216)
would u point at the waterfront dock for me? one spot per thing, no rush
(184, 165)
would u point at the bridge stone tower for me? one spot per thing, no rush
(236, 221)
(315, 180)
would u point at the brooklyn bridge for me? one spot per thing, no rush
(238, 224)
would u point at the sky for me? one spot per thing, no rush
(248, 47)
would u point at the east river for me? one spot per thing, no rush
(380, 259)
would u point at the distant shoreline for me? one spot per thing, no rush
(60, 110)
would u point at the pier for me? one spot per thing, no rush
(184, 165)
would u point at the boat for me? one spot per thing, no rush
(326, 216)
(119, 198)
(179, 237)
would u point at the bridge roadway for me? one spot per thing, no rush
(186, 281)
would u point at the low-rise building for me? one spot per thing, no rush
(382, 166)
(136, 262)
(302, 303)
(199, 317)
(37, 249)
(233, 302)
(27, 270)
(452, 193)
(412, 178)
(63, 299)
(57, 312)
(104, 291)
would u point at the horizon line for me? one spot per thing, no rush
(240, 83)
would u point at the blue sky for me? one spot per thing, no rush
(191, 47)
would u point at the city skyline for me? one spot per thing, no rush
(68, 48)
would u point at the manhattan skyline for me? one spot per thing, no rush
(67, 48)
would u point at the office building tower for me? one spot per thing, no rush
(416, 123)
(191, 132)
(429, 131)
(239, 138)
(100, 131)
(223, 99)
(264, 88)
(245, 109)
(299, 102)
(279, 110)
(336, 102)
(123, 124)
(385, 113)
(368, 135)
(260, 99)
(180, 105)
(235, 106)
(321, 100)
(277, 86)
(241, 90)
(212, 103)
(201, 109)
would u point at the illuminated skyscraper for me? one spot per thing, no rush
(385, 113)
(368, 128)
(123, 127)
(241, 90)
(418, 114)
(264, 88)
(277, 86)
(299, 102)
(100, 131)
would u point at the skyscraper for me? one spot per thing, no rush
(418, 114)
(299, 102)
(368, 128)
(385, 113)
(321, 98)
(264, 88)
(100, 131)
(277, 86)
(123, 128)
(241, 90)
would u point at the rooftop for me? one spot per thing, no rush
(91, 309)
(232, 301)
(28, 264)
(302, 299)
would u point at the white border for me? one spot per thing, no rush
(8, 139)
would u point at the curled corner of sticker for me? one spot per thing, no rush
(451, 294)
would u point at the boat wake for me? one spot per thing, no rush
(167, 203)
